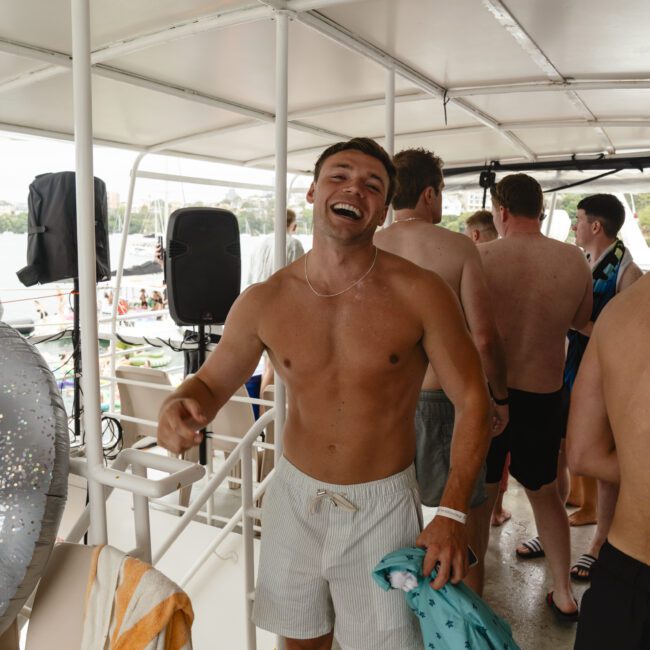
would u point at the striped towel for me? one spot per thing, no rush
(132, 606)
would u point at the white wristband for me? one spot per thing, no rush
(456, 515)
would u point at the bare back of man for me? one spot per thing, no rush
(455, 259)
(540, 289)
(609, 439)
(612, 399)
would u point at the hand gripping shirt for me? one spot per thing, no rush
(452, 618)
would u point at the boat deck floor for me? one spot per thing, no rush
(515, 589)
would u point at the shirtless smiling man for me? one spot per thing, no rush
(351, 330)
(415, 236)
(541, 288)
(609, 439)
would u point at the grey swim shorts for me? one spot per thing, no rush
(434, 425)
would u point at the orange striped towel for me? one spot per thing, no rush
(132, 606)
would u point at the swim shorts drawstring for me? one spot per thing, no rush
(338, 499)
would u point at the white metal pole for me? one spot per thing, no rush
(82, 102)
(247, 534)
(120, 270)
(281, 117)
(141, 516)
(281, 114)
(549, 218)
(390, 124)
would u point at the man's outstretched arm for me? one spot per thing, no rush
(457, 365)
(196, 401)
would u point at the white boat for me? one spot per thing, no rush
(556, 88)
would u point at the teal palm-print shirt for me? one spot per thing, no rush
(452, 618)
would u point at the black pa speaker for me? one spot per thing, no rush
(202, 265)
(52, 230)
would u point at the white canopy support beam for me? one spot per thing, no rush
(208, 181)
(515, 29)
(82, 102)
(64, 62)
(229, 17)
(258, 116)
(361, 105)
(348, 39)
(477, 128)
(577, 85)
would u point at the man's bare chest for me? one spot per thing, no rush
(319, 336)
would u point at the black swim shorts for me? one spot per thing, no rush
(615, 610)
(532, 437)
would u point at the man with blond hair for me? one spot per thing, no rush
(479, 227)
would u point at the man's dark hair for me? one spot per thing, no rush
(482, 220)
(370, 148)
(606, 209)
(417, 169)
(520, 194)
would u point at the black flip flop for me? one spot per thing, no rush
(561, 616)
(534, 546)
(584, 563)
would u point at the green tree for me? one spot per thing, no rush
(12, 222)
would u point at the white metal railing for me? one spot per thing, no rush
(181, 474)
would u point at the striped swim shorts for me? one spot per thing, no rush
(320, 543)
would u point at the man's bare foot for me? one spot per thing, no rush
(500, 518)
(582, 517)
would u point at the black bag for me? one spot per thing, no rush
(52, 230)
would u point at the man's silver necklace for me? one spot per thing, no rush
(409, 219)
(338, 293)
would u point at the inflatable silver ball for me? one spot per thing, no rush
(34, 447)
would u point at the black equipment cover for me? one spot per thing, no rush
(52, 229)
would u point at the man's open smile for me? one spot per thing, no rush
(346, 210)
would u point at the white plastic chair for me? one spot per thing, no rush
(140, 401)
(234, 419)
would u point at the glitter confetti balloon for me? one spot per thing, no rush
(34, 448)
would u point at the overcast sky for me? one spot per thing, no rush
(24, 157)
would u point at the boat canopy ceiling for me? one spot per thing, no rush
(475, 80)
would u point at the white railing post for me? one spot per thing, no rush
(141, 516)
(120, 270)
(390, 124)
(247, 534)
(83, 130)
